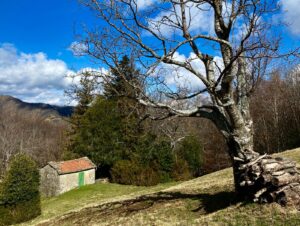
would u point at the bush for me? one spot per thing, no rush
(191, 151)
(20, 198)
(181, 170)
(148, 177)
(124, 172)
(131, 172)
(155, 152)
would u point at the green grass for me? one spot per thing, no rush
(254, 214)
(291, 154)
(207, 200)
(89, 195)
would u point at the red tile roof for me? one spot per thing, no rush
(72, 166)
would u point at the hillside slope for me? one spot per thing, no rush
(207, 200)
(44, 110)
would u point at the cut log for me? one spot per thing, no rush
(260, 192)
(271, 167)
(268, 179)
(284, 179)
(268, 161)
(278, 173)
(290, 196)
(276, 166)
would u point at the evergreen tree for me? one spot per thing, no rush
(122, 79)
(109, 129)
(111, 135)
(20, 197)
(120, 89)
(100, 135)
(191, 151)
(84, 93)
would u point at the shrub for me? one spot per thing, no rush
(191, 151)
(155, 152)
(20, 198)
(131, 172)
(181, 170)
(124, 172)
(148, 177)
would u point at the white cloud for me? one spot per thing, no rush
(32, 77)
(178, 78)
(78, 48)
(199, 19)
(291, 13)
(143, 4)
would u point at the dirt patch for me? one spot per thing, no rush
(196, 204)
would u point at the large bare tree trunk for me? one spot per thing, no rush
(262, 178)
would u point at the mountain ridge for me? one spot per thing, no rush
(45, 110)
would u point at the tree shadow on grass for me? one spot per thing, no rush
(218, 201)
(208, 202)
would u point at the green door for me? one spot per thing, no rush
(81, 179)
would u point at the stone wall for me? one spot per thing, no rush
(49, 184)
(70, 181)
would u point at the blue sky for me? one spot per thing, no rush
(35, 37)
(47, 26)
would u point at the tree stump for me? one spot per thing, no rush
(267, 179)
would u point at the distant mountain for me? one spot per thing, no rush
(45, 110)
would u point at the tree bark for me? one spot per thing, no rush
(263, 178)
(260, 178)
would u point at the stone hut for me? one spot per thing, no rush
(59, 177)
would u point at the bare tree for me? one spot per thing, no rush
(30, 133)
(230, 44)
(275, 108)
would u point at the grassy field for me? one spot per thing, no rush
(89, 196)
(207, 200)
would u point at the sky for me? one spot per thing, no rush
(35, 40)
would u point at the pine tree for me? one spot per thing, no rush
(105, 128)
(100, 135)
(84, 93)
(123, 77)
(111, 135)
(20, 197)
(120, 88)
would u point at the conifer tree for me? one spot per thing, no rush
(106, 128)
(84, 93)
(122, 76)
(19, 192)
(120, 89)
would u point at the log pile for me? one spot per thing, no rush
(268, 179)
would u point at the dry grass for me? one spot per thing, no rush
(207, 200)
(89, 196)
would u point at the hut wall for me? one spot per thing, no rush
(49, 181)
(70, 181)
